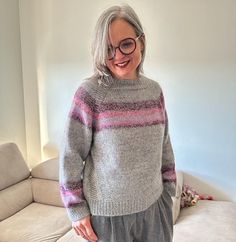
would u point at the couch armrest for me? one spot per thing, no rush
(177, 198)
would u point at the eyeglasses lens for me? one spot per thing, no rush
(126, 47)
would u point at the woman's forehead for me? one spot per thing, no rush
(120, 29)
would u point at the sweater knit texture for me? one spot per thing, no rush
(116, 156)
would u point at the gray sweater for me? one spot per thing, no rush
(116, 156)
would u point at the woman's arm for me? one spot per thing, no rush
(76, 146)
(168, 160)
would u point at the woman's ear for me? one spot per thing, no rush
(142, 42)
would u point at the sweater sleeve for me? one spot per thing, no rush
(168, 160)
(74, 150)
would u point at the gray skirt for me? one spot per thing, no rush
(154, 224)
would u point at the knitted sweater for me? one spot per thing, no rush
(116, 156)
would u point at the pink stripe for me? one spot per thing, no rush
(169, 174)
(111, 114)
(168, 167)
(71, 201)
(83, 106)
(71, 197)
(128, 120)
(77, 115)
(81, 111)
(125, 124)
(72, 192)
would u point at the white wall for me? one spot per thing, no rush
(191, 51)
(12, 118)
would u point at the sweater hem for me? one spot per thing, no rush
(120, 208)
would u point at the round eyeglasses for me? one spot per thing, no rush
(126, 47)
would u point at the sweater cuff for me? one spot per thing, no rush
(78, 212)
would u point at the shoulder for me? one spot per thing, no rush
(90, 85)
(153, 84)
(91, 90)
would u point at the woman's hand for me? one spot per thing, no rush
(84, 228)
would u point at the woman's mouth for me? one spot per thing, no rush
(122, 64)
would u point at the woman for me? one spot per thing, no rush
(117, 170)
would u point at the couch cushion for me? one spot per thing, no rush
(12, 165)
(15, 198)
(209, 221)
(71, 236)
(37, 222)
(47, 170)
(46, 192)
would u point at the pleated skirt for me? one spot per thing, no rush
(154, 224)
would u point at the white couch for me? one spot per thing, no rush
(30, 205)
(207, 221)
(31, 209)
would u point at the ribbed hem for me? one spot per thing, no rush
(119, 208)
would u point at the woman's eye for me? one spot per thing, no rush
(127, 44)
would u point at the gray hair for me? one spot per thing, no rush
(100, 39)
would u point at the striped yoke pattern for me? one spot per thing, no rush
(121, 132)
(116, 115)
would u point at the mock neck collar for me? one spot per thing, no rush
(127, 82)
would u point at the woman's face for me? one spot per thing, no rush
(123, 66)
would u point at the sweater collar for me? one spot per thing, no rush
(125, 82)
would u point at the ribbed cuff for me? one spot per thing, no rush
(170, 187)
(78, 212)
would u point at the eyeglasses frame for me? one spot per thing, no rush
(118, 47)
